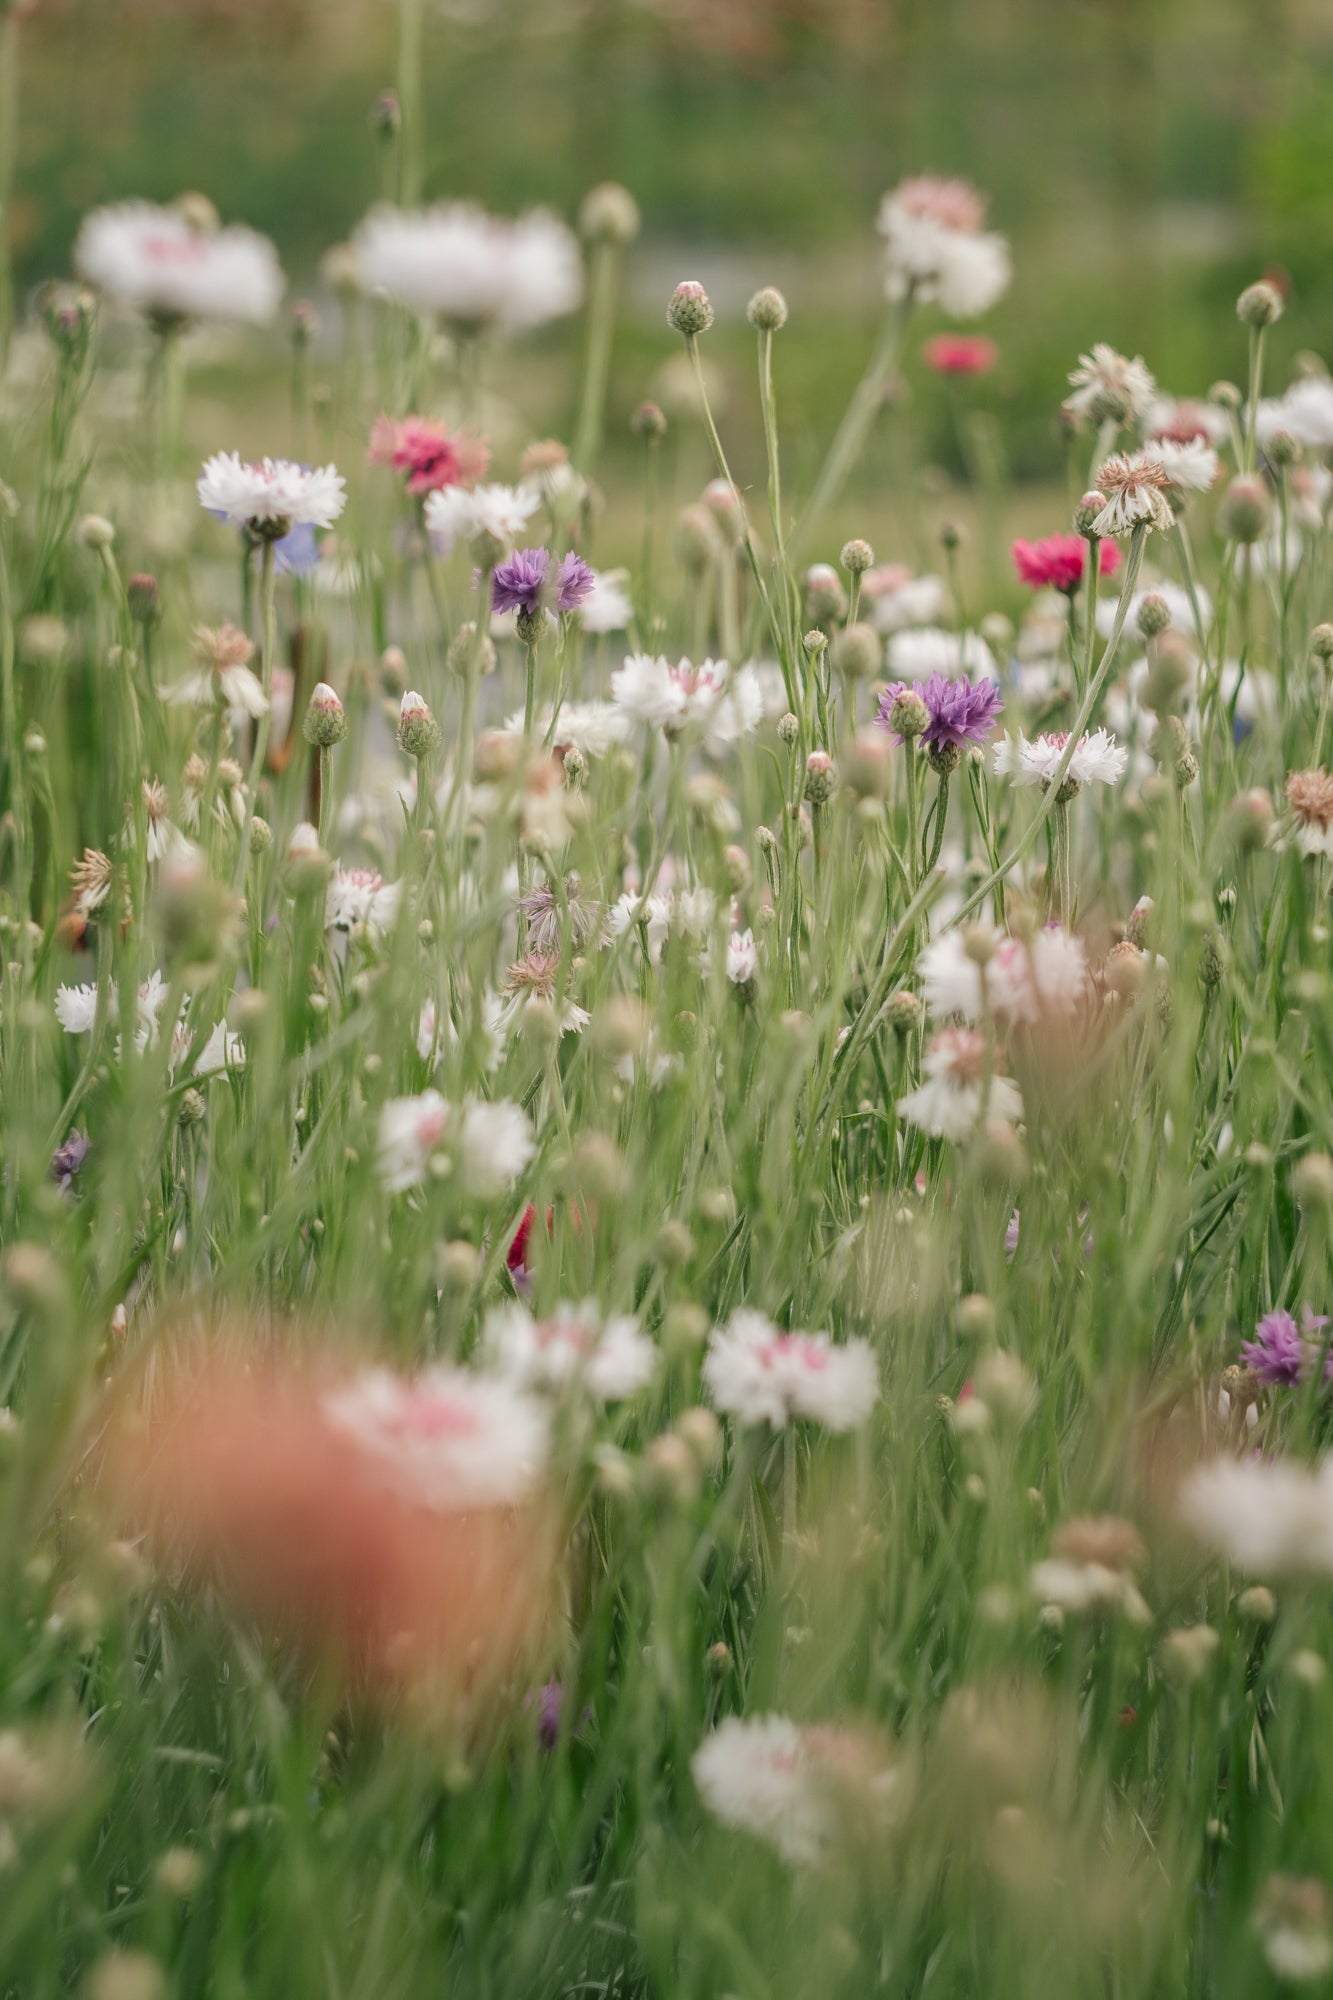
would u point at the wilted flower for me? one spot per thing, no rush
(1135, 486)
(223, 673)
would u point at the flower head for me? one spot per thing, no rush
(961, 711)
(1097, 759)
(800, 1790)
(160, 262)
(271, 496)
(1283, 1353)
(608, 1356)
(758, 1374)
(484, 273)
(1310, 796)
(1135, 486)
(1108, 386)
(670, 697)
(446, 1439)
(1058, 562)
(497, 513)
(960, 354)
(953, 1095)
(431, 456)
(937, 249)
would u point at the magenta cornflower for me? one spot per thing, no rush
(431, 456)
(1283, 1353)
(960, 353)
(1057, 562)
(519, 584)
(961, 711)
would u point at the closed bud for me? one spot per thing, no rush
(393, 670)
(648, 421)
(1153, 615)
(261, 835)
(1250, 820)
(1245, 512)
(825, 598)
(697, 541)
(1226, 396)
(143, 599)
(673, 1245)
(974, 1316)
(1259, 305)
(951, 536)
(904, 1012)
(1086, 512)
(1321, 642)
(1257, 1605)
(690, 311)
(463, 647)
(386, 117)
(857, 557)
(325, 719)
(609, 214)
(418, 731)
(821, 777)
(909, 715)
(1283, 449)
(736, 863)
(858, 652)
(767, 310)
(1312, 1181)
(96, 532)
(944, 758)
(1187, 1653)
(789, 727)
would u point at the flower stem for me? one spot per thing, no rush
(603, 292)
(856, 424)
(411, 35)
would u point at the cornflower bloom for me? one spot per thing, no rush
(1135, 486)
(1058, 562)
(937, 248)
(1283, 1354)
(520, 582)
(960, 354)
(431, 456)
(960, 711)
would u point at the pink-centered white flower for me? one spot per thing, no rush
(272, 493)
(501, 513)
(608, 1355)
(757, 1373)
(742, 958)
(1191, 466)
(483, 273)
(1109, 385)
(160, 263)
(937, 249)
(1271, 1518)
(671, 698)
(955, 1093)
(801, 1790)
(488, 1144)
(76, 1007)
(361, 896)
(1044, 978)
(447, 1439)
(1097, 759)
(222, 673)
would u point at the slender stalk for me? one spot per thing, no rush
(856, 425)
(268, 599)
(411, 41)
(9, 118)
(603, 292)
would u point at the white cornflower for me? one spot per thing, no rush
(1040, 979)
(495, 1145)
(1182, 419)
(742, 957)
(594, 727)
(948, 1102)
(758, 1374)
(222, 1050)
(1135, 485)
(914, 655)
(608, 607)
(1310, 796)
(361, 896)
(483, 273)
(158, 262)
(411, 1131)
(671, 698)
(446, 1439)
(800, 1790)
(454, 514)
(76, 1008)
(1097, 760)
(937, 250)
(1108, 385)
(1191, 467)
(1306, 410)
(631, 911)
(272, 495)
(611, 1357)
(533, 981)
(1272, 1519)
(904, 600)
(951, 977)
(738, 714)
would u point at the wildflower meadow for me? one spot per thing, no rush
(666, 1177)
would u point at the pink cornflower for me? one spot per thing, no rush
(431, 456)
(960, 354)
(1057, 562)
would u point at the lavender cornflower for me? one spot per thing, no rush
(961, 711)
(67, 1159)
(1282, 1353)
(519, 583)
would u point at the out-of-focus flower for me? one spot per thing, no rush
(1091, 1568)
(1272, 1518)
(158, 261)
(493, 1141)
(611, 1357)
(917, 653)
(1305, 411)
(800, 1790)
(1310, 796)
(1191, 467)
(431, 455)
(1107, 385)
(498, 513)
(223, 673)
(953, 1096)
(937, 249)
(960, 354)
(757, 1373)
(482, 273)
(1096, 760)
(670, 698)
(361, 896)
(1058, 562)
(1283, 1353)
(1295, 1925)
(67, 1159)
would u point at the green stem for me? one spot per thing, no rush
(268, 599)
(411, 37)
(603, 291)
(9, 118)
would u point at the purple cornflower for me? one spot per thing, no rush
(1282, 1353)
(549, 1702)
(573, 581)
(518, 583)
(961, 711)
(67, 1159)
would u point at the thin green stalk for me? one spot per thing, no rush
(411, 61)
(857, 423)
(603, 292)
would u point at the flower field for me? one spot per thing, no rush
(667, 1178)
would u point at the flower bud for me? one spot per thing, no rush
(909, 716)
(821, 777)
(1226, 396)
(789, 727)
(857, 557)
(974, 1316)
(1321, 643)
(825, 598)
(393, 669)
(609, 214)
(1284, 449)
(1257, 1605)
(1086, 512)
(1259, 305)
(690, 311)
(261, 835)
(1312, 1181)
(463, 645)
(858, 652)
(1250, 820)
(697, 540)
(96, 532)
(1153, 616)
(767, 310)
(418, 731)
(1245, 511)
(951, 536)
(143, 598)
(325, 719)
(648, 422)
(904, 1012)
(869, 764)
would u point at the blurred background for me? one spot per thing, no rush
(1145, 157)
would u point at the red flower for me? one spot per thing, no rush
(431, 456)
(960, 354)
(1057, 562)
